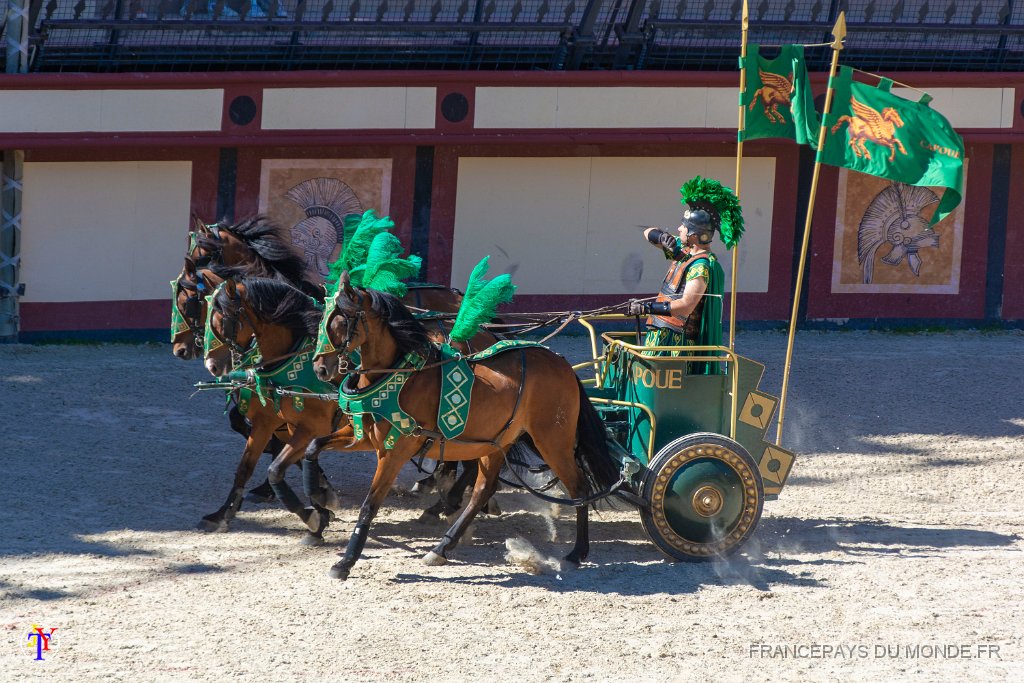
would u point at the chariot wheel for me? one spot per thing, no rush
(705, 497)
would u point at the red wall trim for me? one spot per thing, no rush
(294, 79)
(498, 137)
(1013, 264)
(96, 315)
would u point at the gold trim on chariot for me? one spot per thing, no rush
(735, 534)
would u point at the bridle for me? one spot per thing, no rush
(231, 324)
(324, 343)
(191, 310)
(212, 255)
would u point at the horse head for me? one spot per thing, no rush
(230, 333)
(188, 309)
(339, 331)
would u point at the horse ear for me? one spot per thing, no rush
(190, 268)
(229, 288)
(346, 282)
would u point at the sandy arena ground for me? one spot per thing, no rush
(893, 554)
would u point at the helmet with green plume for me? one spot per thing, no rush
(711, 206)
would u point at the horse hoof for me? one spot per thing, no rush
(575, 561)
(331, 501)
(313, 520)
(433, 559)
(427, 517)
(212, 525)
(259, 500)
(264, 493)
(312, 539)
(492, 508)
(339, 572)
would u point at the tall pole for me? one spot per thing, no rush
(838, 33)
(745, 26)
(16, 51)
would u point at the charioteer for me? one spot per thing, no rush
(688, 308)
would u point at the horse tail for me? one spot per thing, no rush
(592, 454)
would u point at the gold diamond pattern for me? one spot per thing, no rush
(757, 410)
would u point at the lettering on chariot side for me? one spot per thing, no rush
(663, 378)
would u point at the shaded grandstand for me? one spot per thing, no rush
(211, 35)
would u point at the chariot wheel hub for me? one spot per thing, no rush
(708, 501)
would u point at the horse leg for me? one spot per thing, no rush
(388, 466)
(571, 476)
(254, 444)
(315, 518)
(488, 466)
(314, 481)
(453, 499)
(262, 493)
(450, 490)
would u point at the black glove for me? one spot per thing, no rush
(638, 307)
(660, 238)
(649, 308)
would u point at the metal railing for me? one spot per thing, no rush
(207, 35)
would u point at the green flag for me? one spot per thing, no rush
(875, 132)
(778, 102)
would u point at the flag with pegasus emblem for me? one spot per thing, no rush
(872, 131)
(778, 102)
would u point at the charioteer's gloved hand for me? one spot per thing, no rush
(660, 238)
(648, 308)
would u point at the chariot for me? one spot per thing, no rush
(692, 446)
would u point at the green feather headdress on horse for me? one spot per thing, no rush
(373, 258)
(360, 232)
(481, 301)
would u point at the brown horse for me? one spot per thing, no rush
(257, 245)
(261, 248)
(279, 320)
(189, 302)
(530, 392)
(260, 245)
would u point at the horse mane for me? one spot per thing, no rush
(409, 333)
(273, 251)
(279, 303)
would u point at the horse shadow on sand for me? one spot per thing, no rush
(782, 552)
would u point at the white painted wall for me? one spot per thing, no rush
(105, 231)
(604, 107)
(110, 111)
(569, 225)
(348, 108)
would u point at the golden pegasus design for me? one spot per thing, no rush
(774, 90)
(868, 123)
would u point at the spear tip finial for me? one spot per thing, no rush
(839, 32)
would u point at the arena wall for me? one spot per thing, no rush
(548, 173)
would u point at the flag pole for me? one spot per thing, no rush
(745, 27)
(839, 34)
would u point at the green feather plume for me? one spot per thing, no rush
(385, 268)
(349, 225)
(704, 193)
(481, 301)
(357, 246)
